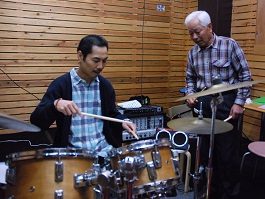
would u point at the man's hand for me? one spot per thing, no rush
(68, 108)
(130, 127)
(236, 111)
(191, 102)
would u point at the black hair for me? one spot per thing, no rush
(87, 42)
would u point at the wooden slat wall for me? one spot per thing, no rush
(244, 30)
(39, 39)
(148, 48)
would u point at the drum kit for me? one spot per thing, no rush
(141, 169)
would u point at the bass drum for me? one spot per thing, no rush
(51, 173)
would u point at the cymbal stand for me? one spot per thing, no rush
(130, 172)
(197, 173)
(216, 99)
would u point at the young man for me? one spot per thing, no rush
(215, 56)
(83, 89)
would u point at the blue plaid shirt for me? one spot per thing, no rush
(224, 58)
(87, 131)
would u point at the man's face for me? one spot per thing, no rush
(201, 35)
(93, 64)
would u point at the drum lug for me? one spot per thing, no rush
(58, 194)
(139, 163)
(175, 162)
(156, 157)
(151, 171)
(59, 171)
(85, 180)
(11, 176)
(129, 169)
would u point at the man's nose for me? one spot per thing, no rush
(100, 65)
(194, 36)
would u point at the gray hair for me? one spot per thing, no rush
(203, 17)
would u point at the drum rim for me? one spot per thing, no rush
(139, 146)
(49, 152)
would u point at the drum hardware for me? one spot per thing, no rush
(11, 176)
(104, 182)
(130, 174)
(156, 157)
(89, 178)
(215, 91)
(58, 194)
(58, 171)
(151, 170)
(175, 161)
(146, 179)
(201, 126)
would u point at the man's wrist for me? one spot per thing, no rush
(239, 105)
(55, 103)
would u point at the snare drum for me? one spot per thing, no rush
(51, 173)
(154, 167)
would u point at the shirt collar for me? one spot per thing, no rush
(78, 80)
(213, 44)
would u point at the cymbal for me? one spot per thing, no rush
(218, 88)
(199, 126)
(8, 122)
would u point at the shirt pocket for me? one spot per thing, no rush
(222, 67)
(221, 63)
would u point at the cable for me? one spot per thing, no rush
(19, 85)
(26, 141)
(142, 54)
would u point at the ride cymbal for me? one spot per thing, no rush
(8, 122)
(199, 126)
(218, 88)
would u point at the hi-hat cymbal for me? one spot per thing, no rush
(8, 122)
(199, 126)
(218, 88)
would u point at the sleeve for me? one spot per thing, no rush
(190, 76)
(45, 113)
(241, 67)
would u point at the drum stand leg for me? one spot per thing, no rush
(209, 169)
(214, 103)
(197, 174)
(129, 171)
(129, 190)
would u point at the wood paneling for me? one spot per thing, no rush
(39, 39)
(244, 31)
(147, 55)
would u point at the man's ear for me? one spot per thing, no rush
(210, 26)
(79, 55)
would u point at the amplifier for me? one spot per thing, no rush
(146, 123)
(145, 110)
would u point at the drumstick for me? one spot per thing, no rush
(228, 118)
(110, 119)
(200, 91)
